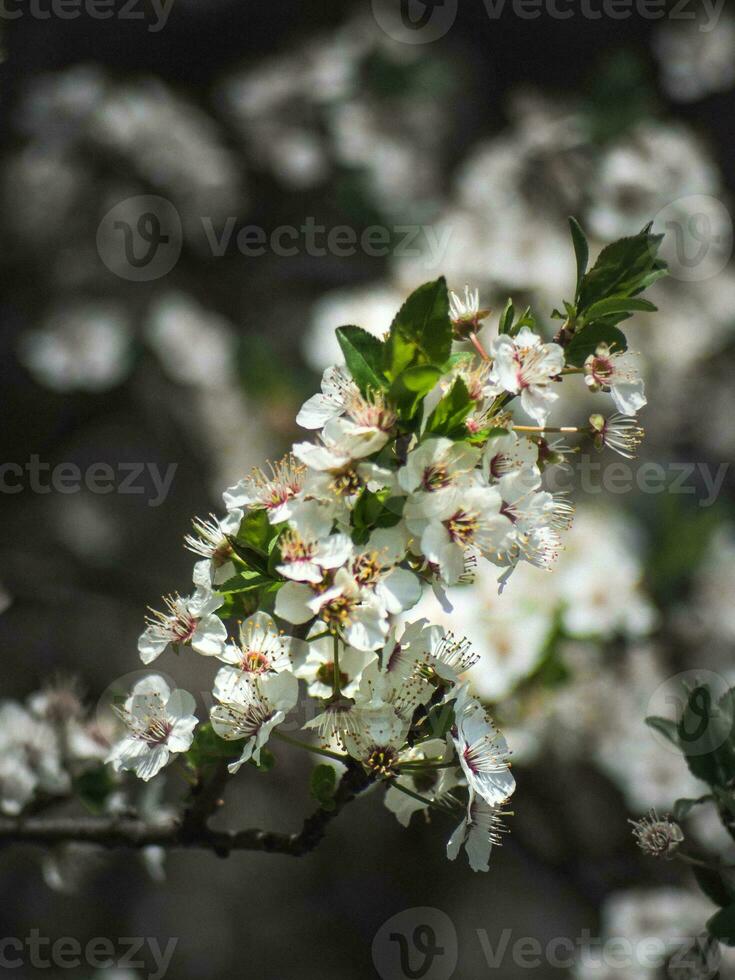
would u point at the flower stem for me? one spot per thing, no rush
(311, 748)
(699, 863)
(548, 428)
(425, 764)
(336, 691)
(415, 796)
(475, 341)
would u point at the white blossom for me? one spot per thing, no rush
(160, 724)
(251, 709)
(618, 373)
(189, 621)
(526, 366)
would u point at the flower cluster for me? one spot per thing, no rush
(417, 471)
(47, 746)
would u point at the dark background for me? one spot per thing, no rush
(81, 569)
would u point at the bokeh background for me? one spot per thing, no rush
(481, 142)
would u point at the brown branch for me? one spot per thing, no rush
(189, 832)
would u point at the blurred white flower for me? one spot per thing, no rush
(83, 347)
(693, 62)
(195, 345)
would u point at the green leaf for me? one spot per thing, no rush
(589, 338)
(364, 355)
(448, 417)
(374, 510)
(623, 268)
(581, 250)
(256, 532)
(705, 737)
(247, 580)
(666, 727)
(439, 720)
(505, 324)
(421, 332)
(722, 925)
(618, 304)
(684, 806)
(267, 761)
(323, 785)
(715, 885)
(411, 387)
(93, 787)
(207, 748)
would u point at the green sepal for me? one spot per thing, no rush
(323, 785)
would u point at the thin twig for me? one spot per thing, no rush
(190, 832)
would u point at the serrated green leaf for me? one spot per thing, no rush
(448, 417)
(589, 338)
(364, 355)
(411, 387)
(622, 269)
(581, 250)
(323, 785)
(618, 304)
(421, 332)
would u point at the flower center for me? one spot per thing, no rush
(435, 477)
(182, 627)
(346, 484)
(296, 548)
(255, 662)
(157, 732)
(366, 569)
(461, 527)
(381, 760)
(337, 611)
(601, 369)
